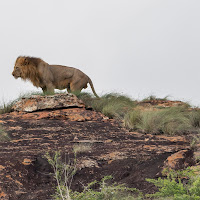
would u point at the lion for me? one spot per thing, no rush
(50, 77)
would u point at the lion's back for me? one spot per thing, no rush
(61, 72)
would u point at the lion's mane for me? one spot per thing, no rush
(28, 66)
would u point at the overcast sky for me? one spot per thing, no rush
(136, 47)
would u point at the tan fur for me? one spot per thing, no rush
(50, 77)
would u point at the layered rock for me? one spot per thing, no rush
(58, 123)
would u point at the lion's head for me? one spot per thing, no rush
(26, 68)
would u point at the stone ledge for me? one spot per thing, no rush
(57, 101)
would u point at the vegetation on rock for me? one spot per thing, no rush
(154, 119)
(144, 117)
(64, 173)
(178, 185)
(176, 120)
(6, 107)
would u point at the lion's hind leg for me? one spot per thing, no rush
(76, 87)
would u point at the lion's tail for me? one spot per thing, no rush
(92, 86)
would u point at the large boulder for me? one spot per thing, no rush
(37, 102)
(180, 160)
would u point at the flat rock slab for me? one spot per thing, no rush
(38, 102)
(107, 149)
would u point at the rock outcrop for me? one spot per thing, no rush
(61, 123)
(37, 102)
(180, 160)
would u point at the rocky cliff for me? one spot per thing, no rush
(41, 124)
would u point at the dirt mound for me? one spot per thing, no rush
(129, 157)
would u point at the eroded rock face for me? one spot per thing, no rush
(37, 102)
(60, 124)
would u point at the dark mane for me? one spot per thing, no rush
(29, 69)
(31, 60)
(34, 60)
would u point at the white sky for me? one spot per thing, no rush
(137, 47)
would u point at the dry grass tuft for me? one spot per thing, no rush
(82, 148)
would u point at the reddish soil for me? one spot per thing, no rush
(129, 157)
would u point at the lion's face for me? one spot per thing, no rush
(19, 64)
(17, 72)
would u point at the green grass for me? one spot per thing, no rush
(132, 119)
(194, 117)
(169, 121)
(112, 105)
(6, 107)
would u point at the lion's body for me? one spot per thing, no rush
(50, 77)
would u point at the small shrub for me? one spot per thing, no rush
(107, 192)
(64, 174)
(175, 188)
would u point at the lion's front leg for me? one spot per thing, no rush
(44, 89)
(49, 89)
(68, 88)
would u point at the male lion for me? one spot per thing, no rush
(50, 77)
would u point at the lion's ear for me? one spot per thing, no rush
(26, 62)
